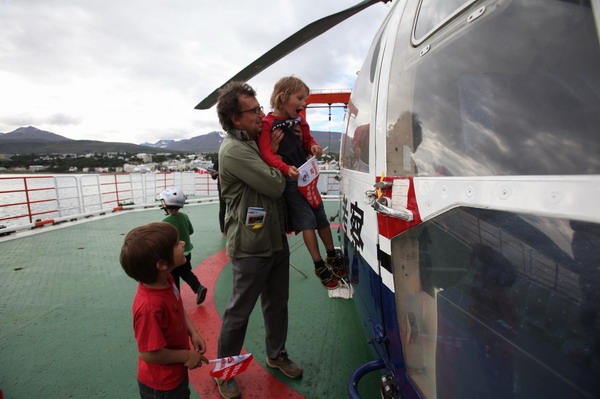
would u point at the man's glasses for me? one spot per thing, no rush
(256, 110)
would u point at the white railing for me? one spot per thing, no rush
(32, 201)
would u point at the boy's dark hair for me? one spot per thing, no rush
(144, 247)
(168, 208)
(228, 103)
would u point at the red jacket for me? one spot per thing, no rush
(272, 159)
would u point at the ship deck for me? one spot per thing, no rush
(65, 315)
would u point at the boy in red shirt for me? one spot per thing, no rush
(162, 328)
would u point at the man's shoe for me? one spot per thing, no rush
(201, 294)
(286, 366)
(228, 389)
(336, 264)
(327, 278)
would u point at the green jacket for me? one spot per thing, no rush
(247, 181)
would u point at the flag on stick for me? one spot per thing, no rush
(308, 176)
(227, 367)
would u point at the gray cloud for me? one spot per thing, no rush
(63, 119)
(9, 121)
(148, 63)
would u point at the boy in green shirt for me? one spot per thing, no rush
(173, 199)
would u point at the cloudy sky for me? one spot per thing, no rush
(133, 70)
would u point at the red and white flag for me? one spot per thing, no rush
(227, 367)
(308, 176)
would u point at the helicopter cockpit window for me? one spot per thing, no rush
(357, 155)
(433, 14)
(355, 142)
(356, 139)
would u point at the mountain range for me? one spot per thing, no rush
(30, 140)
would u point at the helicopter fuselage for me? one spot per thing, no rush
(470, 172)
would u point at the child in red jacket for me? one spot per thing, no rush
(288, 100)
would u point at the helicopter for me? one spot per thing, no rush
(470, 178)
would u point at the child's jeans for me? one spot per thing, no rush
(181, 392)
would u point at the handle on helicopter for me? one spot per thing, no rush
(383, 184)
(381, 205)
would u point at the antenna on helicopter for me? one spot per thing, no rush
(290, 44)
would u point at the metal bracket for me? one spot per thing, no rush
(381, 205)
(478, 13)
(370, 196)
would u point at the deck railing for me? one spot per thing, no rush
(33, 201)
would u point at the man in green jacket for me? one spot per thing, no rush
(255, 228)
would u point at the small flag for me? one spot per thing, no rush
(227, 367)
(308, 176)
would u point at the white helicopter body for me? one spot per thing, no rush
(475, 258)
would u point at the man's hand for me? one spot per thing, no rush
(276, 137)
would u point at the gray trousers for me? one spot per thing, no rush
(254, 277)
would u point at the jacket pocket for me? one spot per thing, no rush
(253, 241)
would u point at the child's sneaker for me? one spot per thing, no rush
(336, 264)
(201, 294)
(327, 278)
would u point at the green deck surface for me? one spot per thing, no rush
(65, 313)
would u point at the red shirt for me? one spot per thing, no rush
(159, 322)
(264, 143)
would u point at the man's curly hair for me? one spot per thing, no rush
(228, 103)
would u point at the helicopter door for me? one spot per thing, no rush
(359, 219)
(362, 161)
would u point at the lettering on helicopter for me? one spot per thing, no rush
(344, 216)
(356, 224)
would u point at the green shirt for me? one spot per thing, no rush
(182, 223)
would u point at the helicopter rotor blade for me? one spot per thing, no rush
(290, 44)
